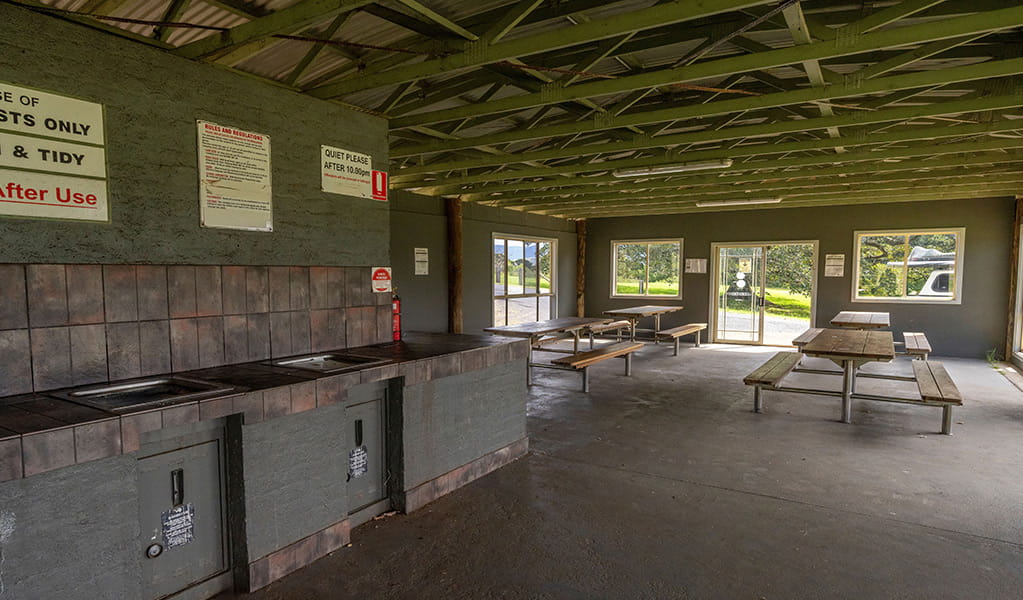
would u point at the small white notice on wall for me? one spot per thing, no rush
(234, 178)
(346, 172)
(381, 279)
(422, 257)
(834, 265)
(52, 161)
(696, 265)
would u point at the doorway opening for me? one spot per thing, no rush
(764, 292)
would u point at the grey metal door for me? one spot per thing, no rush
(364, 437)
(181, 514)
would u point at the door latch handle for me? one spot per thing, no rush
(177, 487)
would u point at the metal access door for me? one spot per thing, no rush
(181, 513)
(739, 315)
(364, 439)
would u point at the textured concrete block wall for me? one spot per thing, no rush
(452, 421)
(152, 100)
(294, 478)
(72, 534)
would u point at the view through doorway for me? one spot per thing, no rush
(764, 292)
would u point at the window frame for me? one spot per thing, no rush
(957, 296)
(614, 266)
(553, 294)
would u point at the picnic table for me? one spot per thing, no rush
(635, 313)
(852, 319)
(538, 329)
(851, 349)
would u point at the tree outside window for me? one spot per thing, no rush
(646, 268)
(909, 266)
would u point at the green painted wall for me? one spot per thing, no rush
(152, 101)
(968, 329)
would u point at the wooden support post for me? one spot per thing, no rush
(453, 209)
(1010, 335)
(580, 268)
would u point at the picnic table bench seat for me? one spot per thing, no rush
(615, 326)
(583, 360)
(676, 332)
(937, 388)
(770, 374)
(806, 337)
(917, 345)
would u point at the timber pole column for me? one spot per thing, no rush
(580, 268)
(453, 210)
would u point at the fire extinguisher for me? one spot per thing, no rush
(396, 316)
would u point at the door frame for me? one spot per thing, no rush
(714, 274)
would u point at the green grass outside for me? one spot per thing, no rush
(781, 303)
(516, 279)
(656, 288)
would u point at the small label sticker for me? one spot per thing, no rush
(178, 525)
(357, 462)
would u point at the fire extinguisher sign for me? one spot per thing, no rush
(379, 186)
(381, 277)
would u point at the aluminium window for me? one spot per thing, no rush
(646, 268)
(909, 265)
(523, 279)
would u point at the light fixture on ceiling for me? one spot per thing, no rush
(709, 203)
(722, 163)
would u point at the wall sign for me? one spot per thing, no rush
(422, 261)
(358, 462)
(380, 186)
(696, 265)
(834, 265)
(234, 178)
(381, 278)
(178, 525)
(346, 172)
(52, 159)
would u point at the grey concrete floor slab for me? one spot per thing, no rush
(666, 485)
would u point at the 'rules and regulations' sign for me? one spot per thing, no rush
(52, 161)
(234, 178)
(381, 279)
(346, 172)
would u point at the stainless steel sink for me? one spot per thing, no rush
(143, 392)
(328, 362)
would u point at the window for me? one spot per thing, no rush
(909, 266)
(523, 279)
(641, 268)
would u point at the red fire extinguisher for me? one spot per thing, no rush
(396, 316)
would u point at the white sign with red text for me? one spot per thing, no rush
(52, 161)
(381, 279)
(234, 178)
(345, 172)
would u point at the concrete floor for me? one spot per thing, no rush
(666, 485)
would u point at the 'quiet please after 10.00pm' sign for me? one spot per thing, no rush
(52, 157)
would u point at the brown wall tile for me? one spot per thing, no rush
(186, 414)
(257, 290)
(236, 339)
(251, 407)
(303, 396)
(357, 287)
(154, 347)
(280, 288)
(211, 341)
(209, 296)
(299, 288)
(300, 336)
(328, 391)
(258, 327)
(184, 344)
(233, 282)
(15, 362)
(152, 282)
(326, 287)
(84, 294)
(123, 351)
(181, 291)
(215, 408)
(445, 366)
(94, 441)
(47, 295)
(10, 459)
(383, 325)
(88, 354)
(280, 334)
(133, 426)
(120, 296)
(277, 402)
(327, 329)
(13, 301)
(51, 358)
(360, 326)
(474, 360)
(46, 451)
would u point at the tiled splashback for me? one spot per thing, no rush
(64, 325)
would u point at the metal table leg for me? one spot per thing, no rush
(657, 327)
(628, 364)
(586, 379)
(529, 363)
(632, 329)
(848, 382)
(575, 341)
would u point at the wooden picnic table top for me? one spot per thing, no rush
(862, 320)
(856, 344)
(642, 311)
(545, 327)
